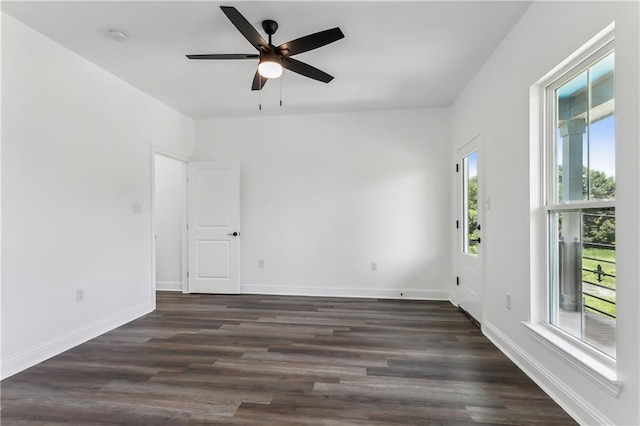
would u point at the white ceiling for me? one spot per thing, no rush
(394, 54)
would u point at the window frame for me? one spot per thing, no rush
(551, 205)
(565, 75)
(596, 365)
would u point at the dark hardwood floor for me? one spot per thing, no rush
(269, 360)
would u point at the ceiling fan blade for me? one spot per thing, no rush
(225, 56)
(310, 42)
(247, 30)
(258, 82)
(306, 70)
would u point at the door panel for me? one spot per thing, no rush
(470, 272)
(213, 259)
(214, 217)
(215, 202)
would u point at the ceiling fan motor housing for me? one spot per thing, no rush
(270, 26)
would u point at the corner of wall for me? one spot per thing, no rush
(36, 355)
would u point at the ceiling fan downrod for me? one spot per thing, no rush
(270, 27)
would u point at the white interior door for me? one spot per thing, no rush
(214, 227)
(470, 273)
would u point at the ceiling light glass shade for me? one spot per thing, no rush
(270, 66)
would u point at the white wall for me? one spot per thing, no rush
(170, 221)
(322, 196)
(75, 156)
(497, 100)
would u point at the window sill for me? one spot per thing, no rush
(600, 371)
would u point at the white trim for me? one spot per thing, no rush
(591, 54)
(596, 43)
(581, 205)
(559, 391)
(38, 354)
(152, 223)
(596, 368)
(169, 154)
(169, 285)
(346, 292)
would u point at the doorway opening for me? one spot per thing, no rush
(169, 222)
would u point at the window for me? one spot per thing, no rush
(470, 204)
(580, 201)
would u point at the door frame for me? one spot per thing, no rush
(157, 151)
(477, 141)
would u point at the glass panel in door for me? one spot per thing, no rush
(470, 204)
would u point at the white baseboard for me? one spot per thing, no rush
(559, 391)
(345, 292)
(168, 285)
(36, 355)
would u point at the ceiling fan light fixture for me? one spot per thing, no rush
(270, 66)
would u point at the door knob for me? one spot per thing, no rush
(234, 234)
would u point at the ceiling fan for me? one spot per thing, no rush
(272, 59)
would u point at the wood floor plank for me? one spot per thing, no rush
(282, 360)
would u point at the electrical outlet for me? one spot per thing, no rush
(507, 299)
(374, 266)
(261, 264)
(136, 207)
(80, 295)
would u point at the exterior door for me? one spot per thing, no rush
(214, 227)
(470, 273)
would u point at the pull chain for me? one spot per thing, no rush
(260, 92)
(281, 78)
